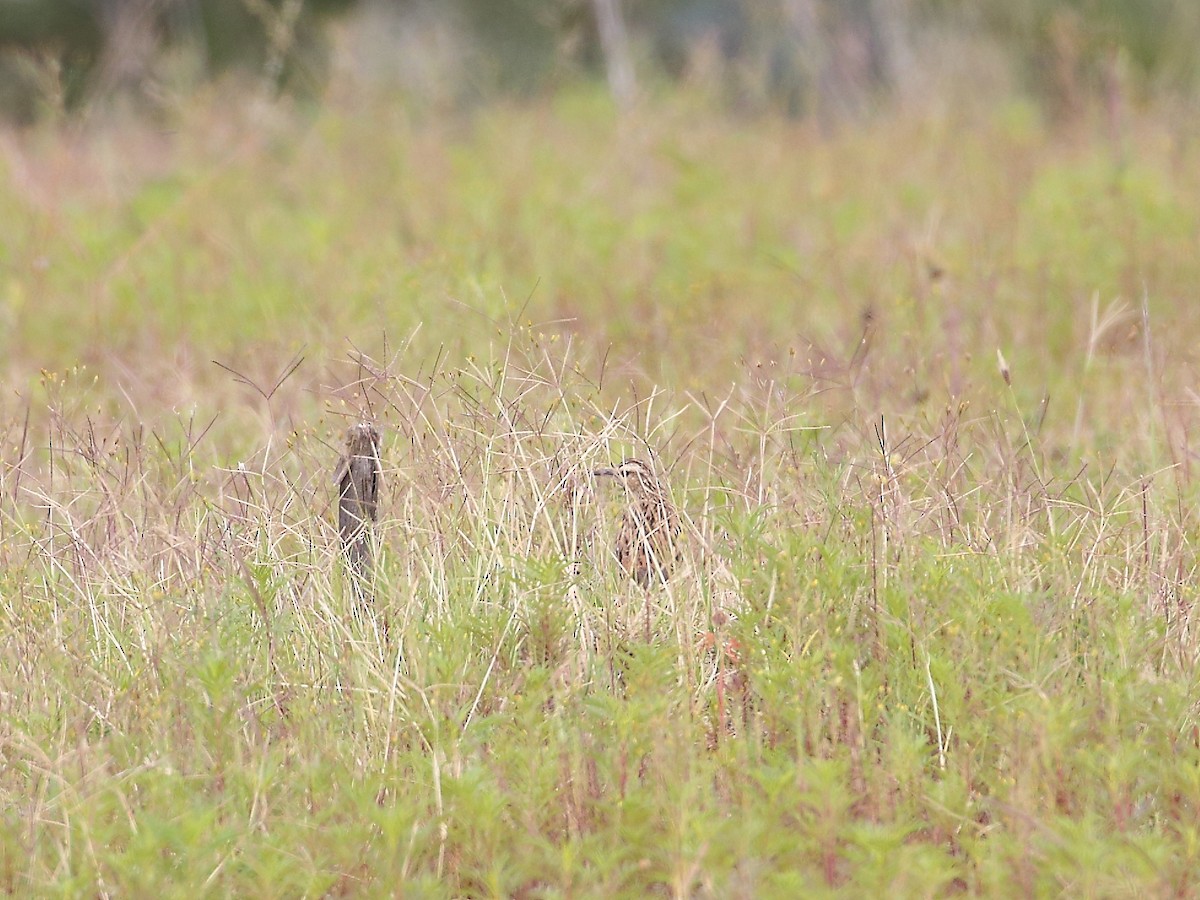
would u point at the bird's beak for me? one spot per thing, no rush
(604, 470)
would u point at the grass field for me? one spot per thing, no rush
(924, 389)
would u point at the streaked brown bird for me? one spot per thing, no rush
(647, 544)
(358, 478)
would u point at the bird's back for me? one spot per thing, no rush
(648, 541)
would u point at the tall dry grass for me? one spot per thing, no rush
(933, 630)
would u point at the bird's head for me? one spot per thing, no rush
(634, 474)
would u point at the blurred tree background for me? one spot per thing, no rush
(829, 58)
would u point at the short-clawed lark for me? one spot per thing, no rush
(647, 544)
(358, 478)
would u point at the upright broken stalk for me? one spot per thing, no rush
(358, 478)
(614, 44)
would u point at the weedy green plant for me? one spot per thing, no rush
(930, 631)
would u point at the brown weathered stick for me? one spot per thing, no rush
(358, 477)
